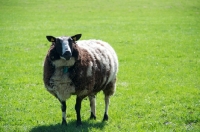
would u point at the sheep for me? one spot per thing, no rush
(82, 68)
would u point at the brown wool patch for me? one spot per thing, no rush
(48, 71)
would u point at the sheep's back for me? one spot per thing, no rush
(96, 67)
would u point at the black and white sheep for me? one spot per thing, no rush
(81, 68)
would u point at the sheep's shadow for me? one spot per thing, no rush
(71, 126)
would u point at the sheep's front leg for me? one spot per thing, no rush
(107, 101)
(78, 110)
(63, 108)
(92, 106)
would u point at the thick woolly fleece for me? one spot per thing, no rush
(93, 67)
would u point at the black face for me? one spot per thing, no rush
(62, 47)
(53, 55)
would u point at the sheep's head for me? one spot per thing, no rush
(62, 47)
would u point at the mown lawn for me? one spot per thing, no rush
(158, 46)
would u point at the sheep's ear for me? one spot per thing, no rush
(51, 38)
(76, 37)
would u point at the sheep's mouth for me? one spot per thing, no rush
(66, 56)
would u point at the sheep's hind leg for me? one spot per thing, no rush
(107, 101)
(93, 107)
(63, 108)
(108, 91)
(78, 110)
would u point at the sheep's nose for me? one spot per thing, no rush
(67, 55)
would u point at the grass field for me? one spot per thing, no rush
(158, 46)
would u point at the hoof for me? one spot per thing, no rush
(64, 123)
(92, 116)
(105, 118)
(78, 123)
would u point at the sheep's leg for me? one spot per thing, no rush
(63, 108)
(78, 110)
(93, 107)
(107, 101)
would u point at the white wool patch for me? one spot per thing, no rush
(104, 80)
(106, 55)
(63, 62)
(89, 70)
(61, 84)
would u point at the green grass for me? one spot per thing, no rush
(158, 46)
